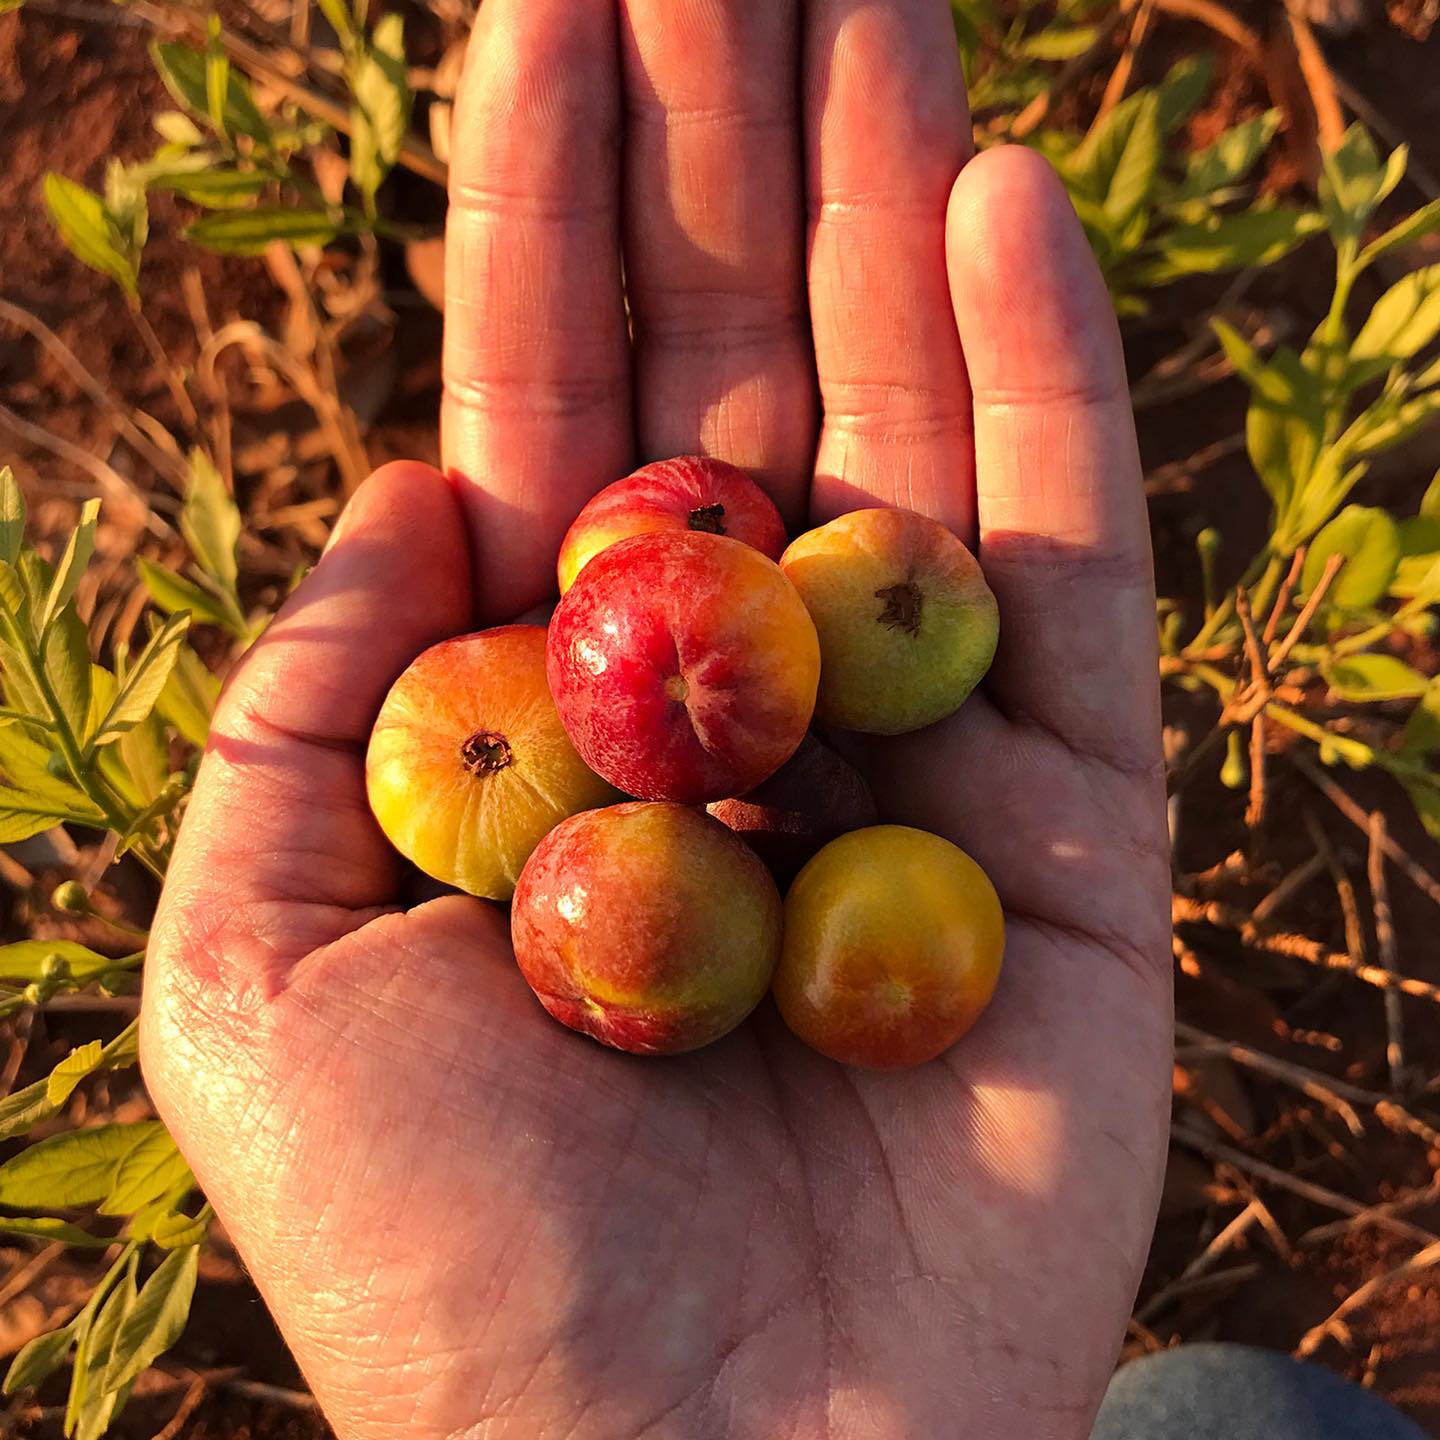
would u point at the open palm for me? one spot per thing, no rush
(470, 1222)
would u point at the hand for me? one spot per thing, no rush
(468, 1221)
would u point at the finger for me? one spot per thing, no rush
(1064, 535)
(536, 415)
(887, 131)
(278, 819)
(714, 237)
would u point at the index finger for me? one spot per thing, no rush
(536, 413)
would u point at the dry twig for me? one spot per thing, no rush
(1311, 1341)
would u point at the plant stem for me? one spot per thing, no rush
(1225, 610)
(168, 367)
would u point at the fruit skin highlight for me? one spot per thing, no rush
(684, 666)
(692, 492)
(893, 944)
(813, 797)
(907, 624)
(648, 926)
(468, 765)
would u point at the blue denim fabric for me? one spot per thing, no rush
(1233, 1392)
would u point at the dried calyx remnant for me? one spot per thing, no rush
(902, 607)
(709, 518)
(485, 752)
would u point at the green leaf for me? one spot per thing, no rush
(78, 550)
(217, 84)
(174, 1232)
(188, 699)
(1370, 678)
(1228, 242)
(176, 595)
(248, 232)
(184, 72)
(24, 961)
(152, 1168)
(12, 593)
(144, 681)
(1419, 569)
(1136, 166)
(1390, 423)
(1369, 541)
(12, 516)
(1057, 42)
(1424, 793)
(26, 762)
(157, 1319)
(75, 1168)
(337, 12)
(1229, 159)
(46, 1227)
(219, 189)
(38, 1360)
(65, 659)
(210, 521)
(80, 1062)
(1182, 90)
(1430, 500)
(1403, 321)
(177, 128)
(92, 1403)
(24, 1109)
(1422, 730)
(380, 113)
(1418, 224)
(89, 232)
(1354, 182)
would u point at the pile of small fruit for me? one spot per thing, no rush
(689, 654)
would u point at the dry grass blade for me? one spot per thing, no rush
(1283, 1180)
(1373, 1214)
(1385, 939)
(1229, 1236)
(1360, 817)
(1281, 653)
(1334, 1094)
(1311, 1341)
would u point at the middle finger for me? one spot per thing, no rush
(714, 237)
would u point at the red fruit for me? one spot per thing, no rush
(647, 926)
(684, 666)
(692, 492)
(813, 797)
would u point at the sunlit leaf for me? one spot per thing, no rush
(188, 699)
(65, 659)
(24, 961)
(380, 113)
(217, 189)
(78, 550)
(88, 231)
(1228, 242)
(144, 681)
(175, 594)
(12, 516)
(80, 1062)
(74, 1168)
(1415, 226)
(1057, 42)
(157, 1319)
(248, 232)
(152, 1168)
(1369, 541)
(92, 1403)
(1402, 322)
(1373, 678)
(46, 1227)
(184, 73)
(210, 520)
(38, 1360)
(1228, 159)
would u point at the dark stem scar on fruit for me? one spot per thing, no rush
(902, 606)
(709, 518)
(486, 752)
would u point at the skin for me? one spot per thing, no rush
(907, 624)
(692, 492)
(813, 797)
(648, 927)
(749, 1243)
(893, 943)
(684, 666)
(468, 767)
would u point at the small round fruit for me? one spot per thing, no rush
(813, 797)
(684, 666)
(647, 926)
(469, 767)
(893, 942)
(907, 624)
(692, 492)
